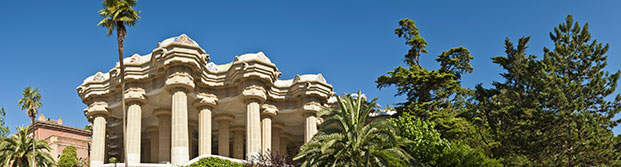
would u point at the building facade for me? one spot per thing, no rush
(181, 106)
(59, 136)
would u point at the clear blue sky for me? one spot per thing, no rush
(55, 45)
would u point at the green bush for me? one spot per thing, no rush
(113, 160)
(215, 162)
(69, 157)
(430, 149)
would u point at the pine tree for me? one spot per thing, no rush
(553, 111)
(434, 95)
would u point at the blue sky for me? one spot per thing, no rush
(55, 45)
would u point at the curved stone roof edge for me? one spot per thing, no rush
(210, 68)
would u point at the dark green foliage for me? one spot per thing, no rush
(435, 95)
(557, 110)
(427, 90)
(215, 162)
(17, 150)
(553, 111)
(430, 149)
(68, 158)
(407, 29)
(346, 139)
(4, 130)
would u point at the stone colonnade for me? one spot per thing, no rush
(241, 99)
(170, 140)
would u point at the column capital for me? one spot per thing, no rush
(97, 113)
(177, 88)
(205, 100)
(238, 129)
(135, 95)
(96, 109)
(179, 76)
(152, 129)
(268, 110)
(224, 117)
(161, 112)
(254, 92)
(310, 108)
(286, 135)
(278, 125)
(309, 113)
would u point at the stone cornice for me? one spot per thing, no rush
(64, 128)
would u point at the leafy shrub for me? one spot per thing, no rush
(113, 160)
(215, 162)
(68, 158)
(430, 149)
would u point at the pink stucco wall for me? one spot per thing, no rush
(64, 139)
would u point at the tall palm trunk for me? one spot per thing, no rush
(34, 140)
(120, 35)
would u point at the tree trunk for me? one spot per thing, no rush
(120, 37)
(34, 140)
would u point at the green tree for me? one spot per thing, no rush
(430, 149)
(69, 157)
(435, 95)
(116, 15)
(4, 130)
(30, 102)
(553, 111)
(18, 151)
(346, 139)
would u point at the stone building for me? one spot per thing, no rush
(181, 106)
(59, 136)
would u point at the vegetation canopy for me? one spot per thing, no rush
(18, 151)
(347, 139)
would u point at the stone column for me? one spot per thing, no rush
(145, 150)
(276, 129)
(238, 142)
(309, 110)
(98, 147)
(269, 111)
(253, 131)
(179, 138)
(310, 126)
(163, 116)
(179, 82)
(266, 133)
(192, 126)
(284, 141)
(155, 136)
(224, 125)
(204, 131)
(205, 104)
(254, 94)
(134, 122)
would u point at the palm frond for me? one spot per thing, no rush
(346, 139)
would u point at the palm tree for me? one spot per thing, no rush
(31, 102)
(347, 139)
(17, 150)
(116, 15)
